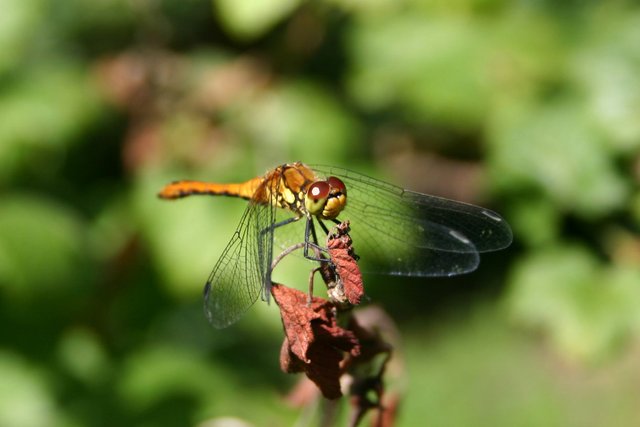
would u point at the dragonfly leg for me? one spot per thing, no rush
(324, 227)
(328, 273)
(283, 222)
(313, 232)
(310, 230)
(267, 284)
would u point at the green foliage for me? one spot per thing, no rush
(25, 397)
(303, 112)
(555, 149)
(246, 19)
(17, 27)
(40, 243)
(528, 107)
(588, 308)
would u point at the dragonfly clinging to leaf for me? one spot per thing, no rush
(401, 232)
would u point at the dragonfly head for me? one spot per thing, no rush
(326, 199)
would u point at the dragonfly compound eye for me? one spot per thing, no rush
(337, 198)
(337, 185)
(316, 197)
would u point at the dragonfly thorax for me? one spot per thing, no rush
(326, 199)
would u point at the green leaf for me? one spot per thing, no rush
(19, 21)
(607, 69)
(42, 247)
(157, 373)
(585, 309)
(535, 220)
(553, 148)
(301, 121)
(248, 19)
(430, 67)
(25, 398)
(45, 110)
(84, 356)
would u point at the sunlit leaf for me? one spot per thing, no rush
(25, 397)
(19, 21)
(301, 121)
(584, 308)
(83, 355)
(247, 19)
(433, 68)
(555, 149)
(536, 220)
(607, 68)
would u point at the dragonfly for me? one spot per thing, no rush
(400, 232)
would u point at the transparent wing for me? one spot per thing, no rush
(412, 234)
(239, 276)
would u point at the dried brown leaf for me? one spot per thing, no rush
(344, 259)
(314, 343)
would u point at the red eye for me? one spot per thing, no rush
(319, 190)
(337, 184)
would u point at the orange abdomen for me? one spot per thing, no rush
(179, 189)
(282, 187)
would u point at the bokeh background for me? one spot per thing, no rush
(531, 108)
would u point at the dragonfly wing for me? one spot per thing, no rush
(486, 229)
(236, 281)
(408, 233)
(399, 243)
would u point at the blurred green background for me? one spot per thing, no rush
(531, 108)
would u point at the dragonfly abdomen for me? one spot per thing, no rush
(179, 189)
